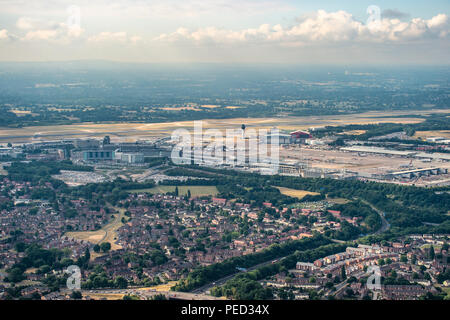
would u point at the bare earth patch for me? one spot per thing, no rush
(300, 194)
(107, 233)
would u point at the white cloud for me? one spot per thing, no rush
(114, 37)
(109, 36)
(26, 23)
(60, 33)
(47, 30)
(5, 35)
(41, 35)
(321, 27)
(135, 39)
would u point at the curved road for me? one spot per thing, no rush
(384, 224)
(384, 227)
(221, 281)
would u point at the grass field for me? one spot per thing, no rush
(196, 191)
(106, 234)
(300, 194)
(338, 200)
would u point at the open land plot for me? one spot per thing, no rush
(90, 236)
(161, 287)
(338, 200)
(300, 194)
(78, 178)
(103, 296)
(353, 132)
(135, 131)
(107, 233)
(196, 191)
(353, 161)
(433, 133)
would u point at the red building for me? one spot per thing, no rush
(300, 135)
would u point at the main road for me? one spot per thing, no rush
(206, 287)
(385, 226)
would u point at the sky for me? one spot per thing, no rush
(227, 31)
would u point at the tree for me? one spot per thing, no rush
(76, 295)
(15, 275)
(176, 191)
(20, 247)
(343, 273)
(349, 292)
(87, 254)
(121, 283)
(9, 145)
(105, 246)
(431, 253)
(129, 297)
(97, 248)
(35, 296)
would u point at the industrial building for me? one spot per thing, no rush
(299, 136)
(97, 155)
(130, 158)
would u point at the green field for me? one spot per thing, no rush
(196, 191)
